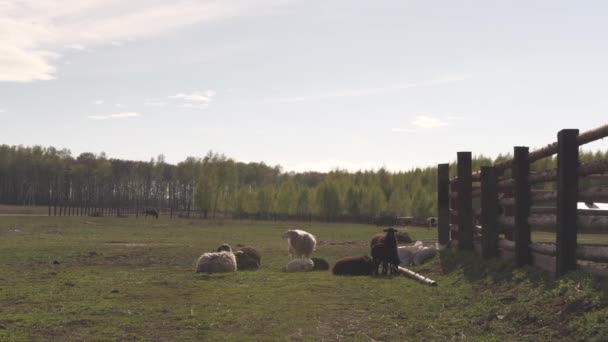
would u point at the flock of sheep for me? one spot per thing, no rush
(385, 252)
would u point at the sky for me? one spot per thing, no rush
(309, 84)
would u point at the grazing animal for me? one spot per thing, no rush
(300, 265)
(300, 244)
(320, 264)
(354, 265)
(151, 212)
(385, 253)
(222, 261)
(248, 258)
(432, 221)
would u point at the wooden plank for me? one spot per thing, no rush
(465, 201)
(551, 149)
(567, 199)
(521, 233)
(489, 212)
(443, 203)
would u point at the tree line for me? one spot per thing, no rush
(218, 186)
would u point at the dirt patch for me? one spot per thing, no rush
(341, 243)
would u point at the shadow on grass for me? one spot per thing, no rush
(493, 271)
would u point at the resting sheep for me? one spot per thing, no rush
(320, 264)
(354, 265)
(300, 265)
(247, 258)
(300, 244)
(221, 261)
(385, 253)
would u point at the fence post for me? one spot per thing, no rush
(567, 199)
(489, 212)
(443, 203)
(465, 201)
(521, 232)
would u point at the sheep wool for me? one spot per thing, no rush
(300, 265)
(217, 262)
(300, 243)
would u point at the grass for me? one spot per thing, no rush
(99, 279)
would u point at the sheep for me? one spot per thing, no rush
(432, 222)
(300, 265)
(354, 265)
(300, 244)
(222, 261)
(385, 253)
(320, 264)
(247, 258)
(400, 237)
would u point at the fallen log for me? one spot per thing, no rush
(417, 276)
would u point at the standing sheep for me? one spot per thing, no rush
(300, 244)
(221, 261)
(385, 253)
(354, 265)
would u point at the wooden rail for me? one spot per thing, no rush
(510, 206)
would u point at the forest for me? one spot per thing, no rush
(218, 186)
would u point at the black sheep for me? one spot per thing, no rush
(320, 264)
(354, 265)
(385, 253)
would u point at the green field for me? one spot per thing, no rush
(100, 279)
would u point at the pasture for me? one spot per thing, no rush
(99, 279)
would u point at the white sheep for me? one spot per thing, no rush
(221, 261)
(300, 243)
(300, 265)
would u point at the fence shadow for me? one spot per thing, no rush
(493, 271)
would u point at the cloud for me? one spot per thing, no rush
(370, 90)
(98, 102)
(424, 121)
(33, 33)
(195, 96)
(196, 99)
(77, 47)
(154, 103)
(115, 116)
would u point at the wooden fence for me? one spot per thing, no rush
(508, 208)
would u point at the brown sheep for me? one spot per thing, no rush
(248, 258)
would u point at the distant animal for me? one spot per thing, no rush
(300, 243)
(320, 264)
(432, 221)
(354, 265)
(300, 265)
(151, 212)
(385, 253)
(222, 261)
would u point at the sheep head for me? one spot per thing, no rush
(390, 230)
(224, 248)
(289, 234)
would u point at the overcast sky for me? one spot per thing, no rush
(308, 84)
